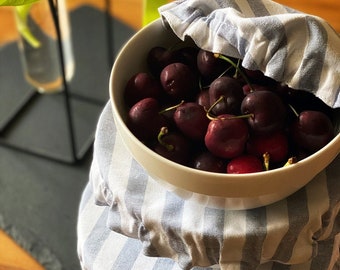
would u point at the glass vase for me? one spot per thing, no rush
(50, 63)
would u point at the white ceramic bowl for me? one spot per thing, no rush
(229, 191)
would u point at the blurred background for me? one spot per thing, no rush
(42, 170)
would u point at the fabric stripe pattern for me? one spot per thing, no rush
(127, 220)
(155, 229)
(298, 49)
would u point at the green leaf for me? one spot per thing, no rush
(16, 2)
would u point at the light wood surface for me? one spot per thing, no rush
(13, 257)
(127, 11)
(326, 9)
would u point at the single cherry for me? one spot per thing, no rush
(226, 136)
(245, 164)
(275, 144)
(312, 130)
(179, 81)
(173, 146)
(140, 86)
(206, 161)
(232, 93)
(191, 120)
(209, 66)
(267, 110)
(144, 119)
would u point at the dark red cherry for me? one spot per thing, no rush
(144, 119)
(206, 161)
(191, 119)
(178, 81)
(232, 93)
(226, 136)
(276, 145)
(173, 146)
(245, 164)
(209, 66)
(267, 110)
(140, 86)
(312, 130)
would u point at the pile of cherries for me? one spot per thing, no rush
(206, 111)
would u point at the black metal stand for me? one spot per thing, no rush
(59, 126)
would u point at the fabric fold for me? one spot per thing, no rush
(291, 47)
(301, 230)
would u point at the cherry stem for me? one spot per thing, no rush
(212, 107)
(293, 109)
(201, 87)
(207, 86)
(236, 66)
(266, 159)
(237, 69)
(172, 107)
(208, 114)
(224, 72)
(290, 161)
(249, 115)
(161, 134)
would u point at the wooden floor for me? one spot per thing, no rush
(129, 12)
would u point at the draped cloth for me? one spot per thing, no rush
(295, 48)
(127, 220)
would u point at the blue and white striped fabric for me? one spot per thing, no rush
(128, 221)
(289, 46)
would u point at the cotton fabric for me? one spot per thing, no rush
(295, 48)
(127, 220)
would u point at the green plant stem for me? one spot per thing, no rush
(21, 16)
(22, 8)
